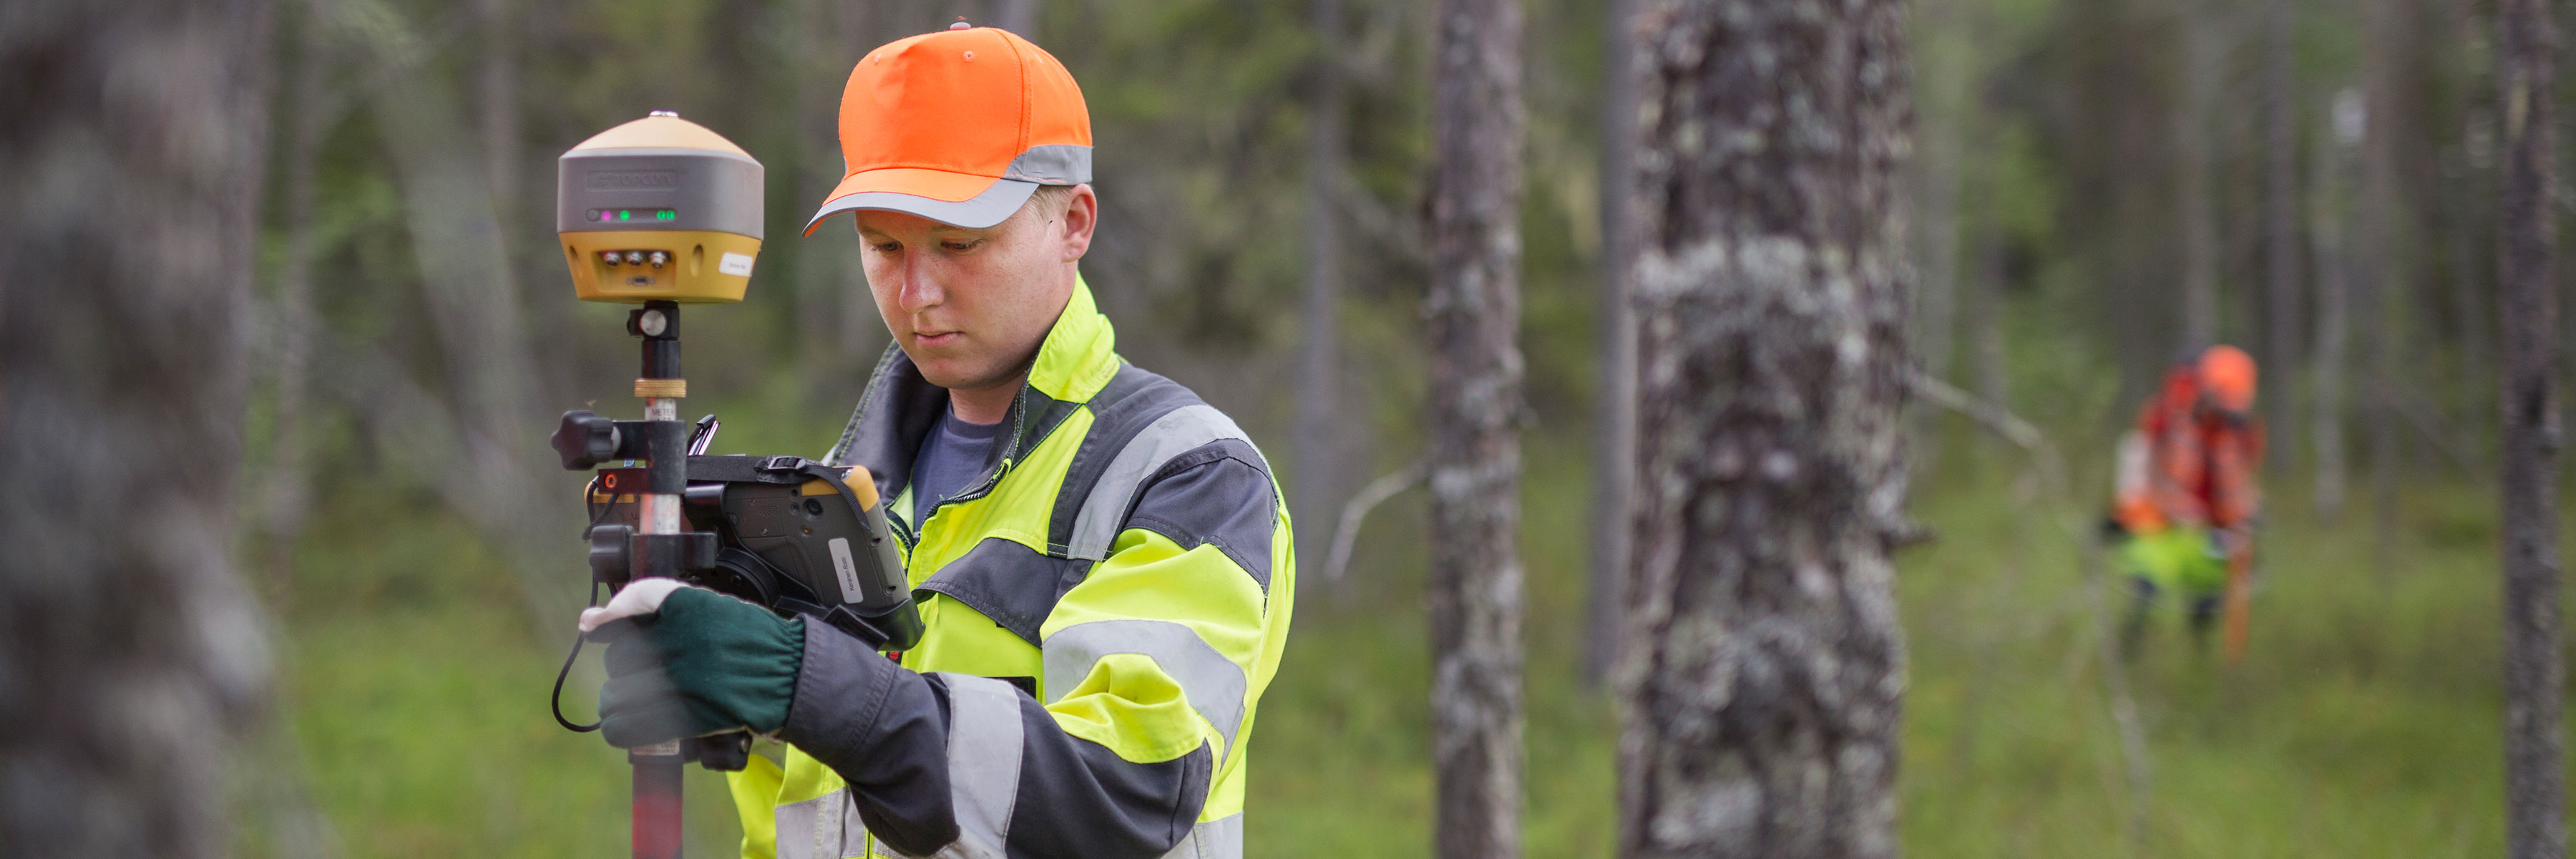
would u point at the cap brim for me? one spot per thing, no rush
(956, 199)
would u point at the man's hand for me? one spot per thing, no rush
(686, 661)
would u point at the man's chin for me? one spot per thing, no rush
(967, 373)
(947, 374)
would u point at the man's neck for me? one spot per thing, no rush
(985, 405)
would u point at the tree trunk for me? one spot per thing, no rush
(1948, 110)
(1474, 313)
(1614, 439)
(836, 320)
(498, 98)
(1985, 323)
(861, 335)
(457, 239)
(2280, 227)
(472, 305)
(526, 237)
(2535, 780)
(823, 59)
(2383, 259)
(1017, 16)
(134, 657)
(286, 493)
(2463, 194)
(1984, 320)
(1938, 314)
(2198, 225)
(2346, 122)
(1319, 389)
(1763, 681)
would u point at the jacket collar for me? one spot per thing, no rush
(899, 407)
(1080, 352)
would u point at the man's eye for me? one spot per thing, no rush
(887, 247)
(961, 247)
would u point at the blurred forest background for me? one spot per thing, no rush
(2096, 184)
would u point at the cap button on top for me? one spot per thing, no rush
(961, 25)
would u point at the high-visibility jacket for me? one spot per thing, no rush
(2187, 463)
(1103, 609)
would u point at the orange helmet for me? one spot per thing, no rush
(2227, 378)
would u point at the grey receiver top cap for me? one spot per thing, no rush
(704, 189)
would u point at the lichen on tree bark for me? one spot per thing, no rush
(1765, 672)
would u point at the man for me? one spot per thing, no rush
(2186, 498)
(1101, 560)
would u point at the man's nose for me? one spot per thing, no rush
(921, 290)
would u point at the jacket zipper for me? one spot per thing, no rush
(1019, 423)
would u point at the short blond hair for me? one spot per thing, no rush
(1052, 197)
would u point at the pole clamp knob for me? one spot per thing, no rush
(609, 551)
(584, 440)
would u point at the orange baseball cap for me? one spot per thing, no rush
(958, 126)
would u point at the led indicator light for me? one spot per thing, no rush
(623, 214)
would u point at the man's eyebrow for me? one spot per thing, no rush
(937, 233)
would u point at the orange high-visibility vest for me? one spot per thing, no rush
(2198, 462)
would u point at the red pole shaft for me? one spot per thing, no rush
(657, 805)
(2239, 602)
(657, 767)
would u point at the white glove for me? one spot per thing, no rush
(639, 597)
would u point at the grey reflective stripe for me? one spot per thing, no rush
(1221, 838)
(984, 746)
(825, 827)
(1214, 685)
(1177, 431)
(1052, 164)
(993, 205)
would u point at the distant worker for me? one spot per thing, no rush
(2185, 502)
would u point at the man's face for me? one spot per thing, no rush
(971, 306)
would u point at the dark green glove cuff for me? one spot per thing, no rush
(706, 663)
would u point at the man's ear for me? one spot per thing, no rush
(1081, 215)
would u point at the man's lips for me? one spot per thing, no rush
(944, 338)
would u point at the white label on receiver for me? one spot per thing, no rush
(847, 571)
(735, 264)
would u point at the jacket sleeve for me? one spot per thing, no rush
(1149, 665)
